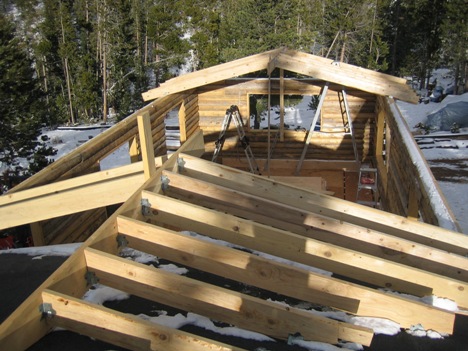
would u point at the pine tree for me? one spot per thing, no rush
(20, 105)
(455, 41)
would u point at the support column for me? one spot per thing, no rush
(146, 142)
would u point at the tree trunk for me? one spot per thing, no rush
(104, 83)
(67, 73)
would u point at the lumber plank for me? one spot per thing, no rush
(288, 217)
(346, 74)
(371, 218)
(122, 329)
(377, 243)
(99, 147)
(65, 202)
(281, 278)
(219, 303)
(68, 184)
(209, 75)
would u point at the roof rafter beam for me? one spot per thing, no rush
(212, 74)
(221, 304)
(305, 223)
(71, 195)
(268, 274)
(332, 207)
(346, 74)
(122, 329)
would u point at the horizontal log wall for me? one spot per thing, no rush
(189, 117)
(85, 159)
(404, 189)
(329, 144)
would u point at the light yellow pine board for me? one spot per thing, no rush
(342, 210)
(241, 204)
(37, 234)
(122, 329)
(291, 164)
(211, 75)
(146, 144)
(232, 264)
(278, 277)
(65, 202)
(183, 122)
(218, 303)
(346, 74)
(421, 256)
(288, 245)
(57, 187)
(24, 326)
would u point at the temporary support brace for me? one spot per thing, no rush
(348, 124)
(312, 128)
(233, 114)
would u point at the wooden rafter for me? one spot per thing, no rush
(69, 196)
(365, 268)
(256, 271)
(188, 193)
(213, 74)
(293, 61)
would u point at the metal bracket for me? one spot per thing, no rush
(46, 310)
(121, 241)
(165, 182)
(145, 207)
(181, 164)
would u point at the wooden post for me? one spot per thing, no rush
(146, 142)
(183, 123)
(37, 233)
(380, 132)
(134, 150)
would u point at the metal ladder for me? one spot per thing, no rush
(368, 181)
(233, 113)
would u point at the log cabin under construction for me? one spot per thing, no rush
(353, 197)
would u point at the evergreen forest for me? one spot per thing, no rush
(80, 61)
